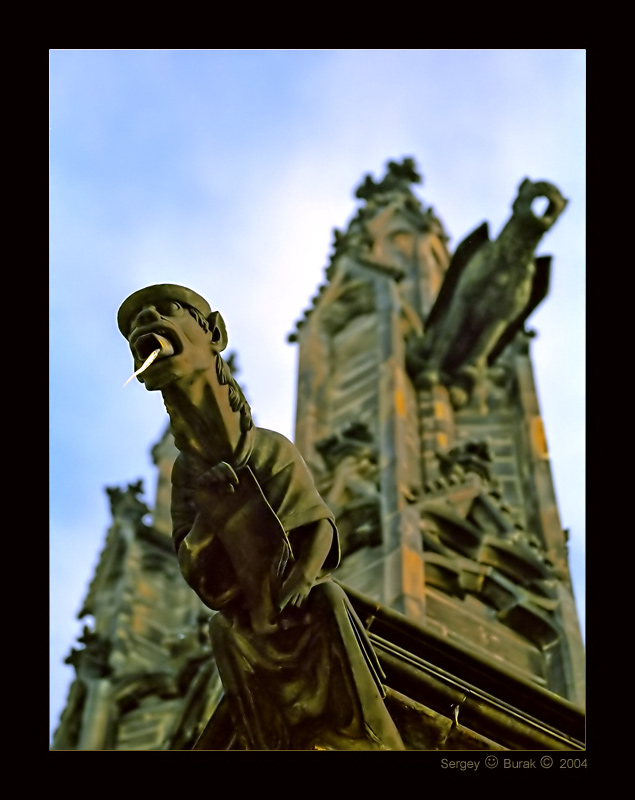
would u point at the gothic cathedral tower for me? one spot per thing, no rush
(418, 414)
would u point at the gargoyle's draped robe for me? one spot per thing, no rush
(315, 681)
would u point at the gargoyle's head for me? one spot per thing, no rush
(539, 201)
(177, 322)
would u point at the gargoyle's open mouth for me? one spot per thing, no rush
(149, 342)
(150, 346)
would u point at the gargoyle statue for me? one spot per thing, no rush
(490, 289)
(257, 543)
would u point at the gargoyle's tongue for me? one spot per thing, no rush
(164, 350)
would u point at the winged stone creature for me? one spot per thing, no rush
(490, 289)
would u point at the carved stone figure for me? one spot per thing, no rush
(257, 543)
(353, 491)
(470, 456)
(490, 289)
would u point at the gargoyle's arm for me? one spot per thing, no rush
(183, 517)
(315, 546)
(191, 496)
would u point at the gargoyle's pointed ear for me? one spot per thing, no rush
(218, 331)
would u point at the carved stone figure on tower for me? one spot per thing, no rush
(257, 543)
(490, 289)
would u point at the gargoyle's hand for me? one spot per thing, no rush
(220, 477)
(295, 589)
(262, 625)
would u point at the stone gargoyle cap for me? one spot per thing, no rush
(160, 291)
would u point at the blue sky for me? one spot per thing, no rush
(227, 171)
